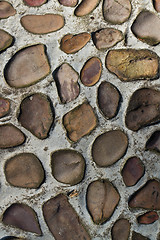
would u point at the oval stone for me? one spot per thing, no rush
(4, 107)
(86, 7)
(34, 3)
(148, 218)
(5, 40)
(138, 236)
(6, 10)
(156, 4)
(153, 142)
(68, 3)
(121, 229)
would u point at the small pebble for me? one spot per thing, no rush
(86, 7)
(121, 229)
(68, 3)
(34, 3)
(4, 107)
(5, 40)
(153, 142)
(6, 10)
(148, 218)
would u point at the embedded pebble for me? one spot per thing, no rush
(156, 4)
(27, 67)
(5, 40)
(36, 115)
(62, 219)
(86, 7)
(121, 229)
(143, 109)
(108, 99)
(4, 107)
(68, 3)
(34, 3)
(6, 10)
(153, 142)
(12, 238)
(148, 218)
(109, 147)
(102, 199)
(91, 72)
(132, 64)
(138, 236)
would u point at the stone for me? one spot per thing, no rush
(12, 238)
(6, 10)
(42, 24)
(132, 64)
(148, 218)
(107, 38)
(27, 67)
(91, 72)
(68, 3)
(68, 166)
(116, 12)
(5, 40)
(132, 171)
(22, 216)
(143, 109)
(36, 115)
(4, 107)
(121, 229)
(80, 121)
(138, 236)
(62, 219)
(67, 83)
(10, 136)
(86, 7)
(73, 43)
(102, 199)
(156, 4)
(153, 142)
(24, 170)
(108, 99)
(147, 197)
(109, 147)
(146, 28)
(34, 3)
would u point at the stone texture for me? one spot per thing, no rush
(121, 229)
(109, 147)
(27, 67)
(73, 43)
(5, 40)
(108, 99)
(132, 64)
(156, 4)
(62, 220)
(138, 236)
(91, 72)
(116, 12)
(4, 107)
(68, 166)
(68, 3)
(6, 10)
(67, 83)
(12, 238)
(80, 121)
(36, 115)
(34, 3)
(86, 7)
(22, 216)
(24, 170)
(143, 108)
(102, 199)
(146, 27)
(148, 218)
(153, 142)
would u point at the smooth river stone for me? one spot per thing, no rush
(10, 136)
(68, 3)
(34, 3)
(116, 12)
(156, 4)
(107, 38)
(68, 166)
(138, 236)
(102, 199)
(42, 24)
(109, 147)
(62, 219)
(108, 99)
(148, 218)
(12, 238)
(67, 83)
(73, 43)
(36, 115)
(86, 7)
(153, 142)
(121, 229)
(24, 170)
(4, 107)
(22, 216)
(132, 64)
(27, 67)
(6, 10)
(91, 72)
(5, 40)
(146, 28)
(143, 109)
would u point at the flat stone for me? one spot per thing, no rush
(146, 27)
(22, 216)
(5, 40)
(42, 24)
(10, 136)
(73, 43)
(147, 197)
(12, 238)
(27, 67)
(36, 115)
(80, 121)
(4, 107)
(148, 218)
(24, 170)
(68, 166)
(153, 142)
(34, 3)
(138, 236)
(156, 4)
(116, 12)
(102, 199)
(91, 72)
(86, 7)
(107, 38)
(108, 99)
(109, 147)
(62, 219)
(143, 108)
(67, 83)
(132, 64)
(132, 171)
(68, 3)
(6, 10)
(121, 229)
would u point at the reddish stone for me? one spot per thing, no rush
(148, 218)
(34, 3)
(4, 107)
(68, 3)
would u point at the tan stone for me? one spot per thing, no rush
(6, 10)
(68, 3)
(86, 7)
(4, 107)
(5, 40)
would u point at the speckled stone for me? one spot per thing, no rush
(86, 7)
(68, 3)
(138, 236)
(156, 4)
(148, 218)
(4, 107)
(5, 40)
(153, 142)
(121, 229)
(6, 10)
(34, 3)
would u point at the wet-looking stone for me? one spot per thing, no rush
(4, 107)
(121, 229)
(148, 218)
(5, 40)
(6, 10)
(153, 142)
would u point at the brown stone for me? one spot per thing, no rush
(148, 218)
(62, 220)
(80, 121)
(36, 115)
(73, 43)
(27, 67)
(132, 64)
(68, 3)
(4, 107)
(5, 40)
(102, 199)
(34, 3)
(6, 10)
(24, 170)
(156, 4)
(153, 142)
(86, 7)
(121, 229)
(138, 236)
(12, 238)
(109, 147)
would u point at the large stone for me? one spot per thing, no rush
(138, 236)
(68, 3)
(4, 107)
(156, 4)
(121, 229)
(148, 218)
(12, 238)
(34, 3)
(153, 142)
(6, 10)
(5, 40)
(86, 7)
